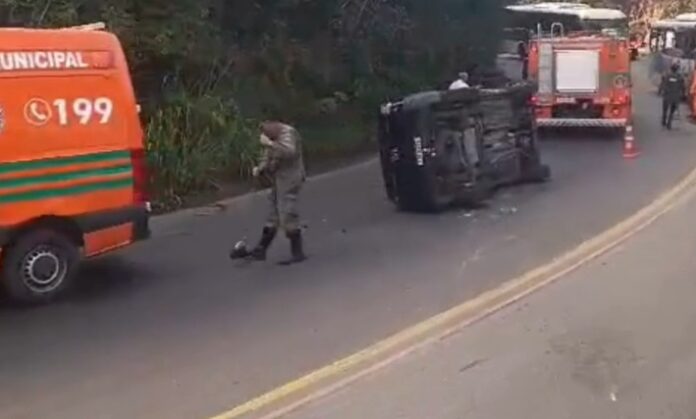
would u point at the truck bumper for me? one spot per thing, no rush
(137, 215)
(581, 122)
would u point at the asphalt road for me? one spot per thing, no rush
(615, 339)
(171, 328)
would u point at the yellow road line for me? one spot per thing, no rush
(357, 365)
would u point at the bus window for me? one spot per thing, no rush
(618, 26)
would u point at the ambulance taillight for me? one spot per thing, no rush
(140, 176)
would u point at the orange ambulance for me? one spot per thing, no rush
(72, 161)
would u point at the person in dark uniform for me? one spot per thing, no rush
(282, 162)
(672, 91)
(524, 57)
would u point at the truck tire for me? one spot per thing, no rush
(39, 266)
(532, 169)
(478, 194)
(539, 173)
(386, 175)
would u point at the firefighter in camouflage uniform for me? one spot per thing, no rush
(281, 162)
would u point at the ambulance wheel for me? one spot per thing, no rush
(39, 266)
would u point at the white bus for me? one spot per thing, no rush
(542, 17)
(523, 22)
(678, 33)
(673, 41)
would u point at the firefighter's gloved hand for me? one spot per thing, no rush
(265, 141)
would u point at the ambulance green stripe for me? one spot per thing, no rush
(69, 191)
(63, 177)
(62, 161)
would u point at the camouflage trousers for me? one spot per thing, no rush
(283, 211)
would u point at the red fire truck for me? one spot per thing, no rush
(584, 80)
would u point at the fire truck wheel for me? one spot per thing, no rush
(537, 174)
(612, 134)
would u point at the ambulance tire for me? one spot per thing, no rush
(39, 266)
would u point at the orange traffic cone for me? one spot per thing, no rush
(630, 151)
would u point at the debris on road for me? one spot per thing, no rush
(211, 210)
(508, 210)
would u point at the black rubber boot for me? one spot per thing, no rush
(267, 236)
(297, 252)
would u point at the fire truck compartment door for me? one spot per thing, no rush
(577, 71)
(545, 68)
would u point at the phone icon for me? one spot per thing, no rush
(37, 112)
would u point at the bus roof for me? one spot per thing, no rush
(602, 14)
(674, 24)
(684, 21)
(549, 7)
(686, 17)
(583, 11)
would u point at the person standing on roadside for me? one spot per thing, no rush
(524, 58)
(672, 91)
(461, 83)
(283, 163)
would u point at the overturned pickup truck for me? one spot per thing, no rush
(441, 148)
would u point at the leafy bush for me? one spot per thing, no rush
(190, 58)
(193, 142)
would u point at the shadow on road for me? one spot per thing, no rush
(110, 277)
(106, 278)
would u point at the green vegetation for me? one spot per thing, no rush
(207, 70)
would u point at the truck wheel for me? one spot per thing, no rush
(483, 191)
(537, 174)
(429, 198)
(39, 266)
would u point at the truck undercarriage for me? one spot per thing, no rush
(442, 148)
